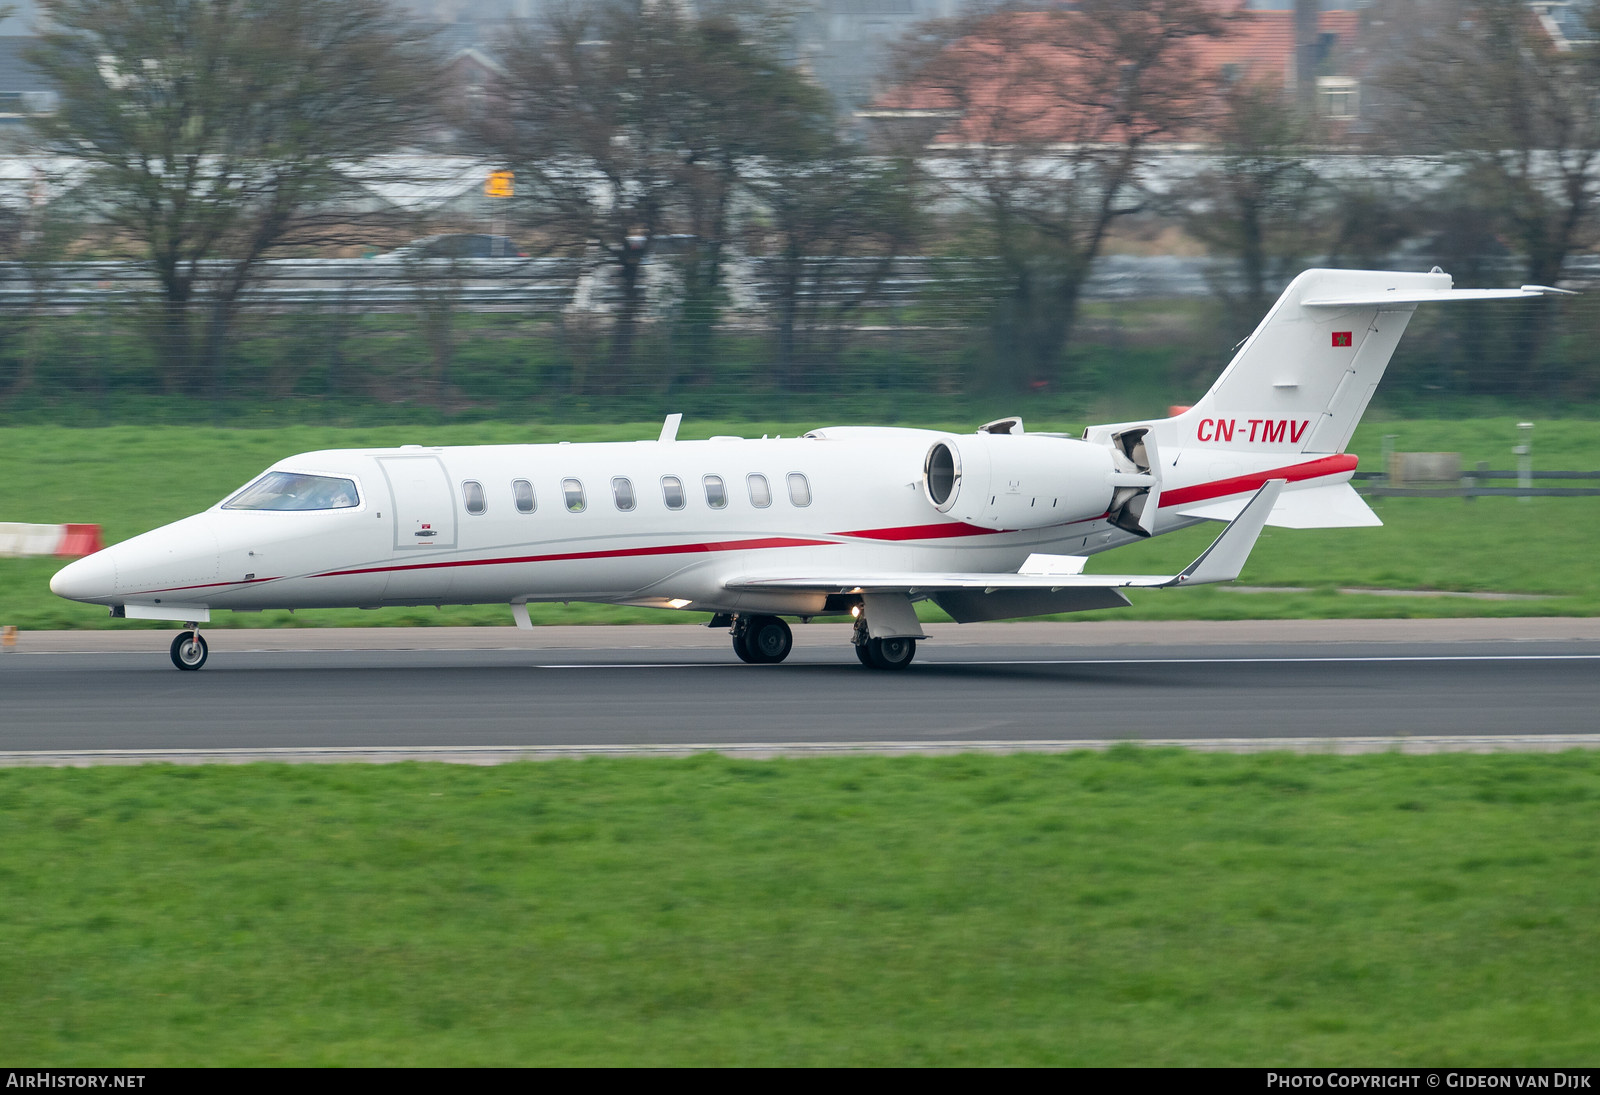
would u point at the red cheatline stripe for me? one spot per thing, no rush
(940, 531)
(946, 529)
(614, 553)
(1294, 473)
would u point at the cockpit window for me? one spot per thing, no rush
(285, 490)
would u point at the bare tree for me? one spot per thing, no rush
(214, 130)
(587, 128)
(1255, 205)
(742, 110)
(1482, 83)
(33, 240)
(1514, 119)
(1050, 114)
(626, 123)
(1371, 212)
(826, 203)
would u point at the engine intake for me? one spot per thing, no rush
(1018, 481)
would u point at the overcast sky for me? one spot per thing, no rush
(20, 22)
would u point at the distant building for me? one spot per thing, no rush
(1566, 21)
(1009, 54)
(842, 44)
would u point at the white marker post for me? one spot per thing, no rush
(1524, 455)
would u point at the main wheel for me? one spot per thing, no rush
(189, 650)
(768, 639)
(891, 653)
(741, 645)
(863, 655)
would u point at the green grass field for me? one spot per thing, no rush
(129, 479)
(1136, 907)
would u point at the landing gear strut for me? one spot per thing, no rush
(873, 653)
(762, 639)
(189, 649)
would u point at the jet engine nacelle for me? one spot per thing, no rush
(1018, 481)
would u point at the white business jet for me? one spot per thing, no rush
(847, 520)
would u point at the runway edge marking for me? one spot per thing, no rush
(497, 754)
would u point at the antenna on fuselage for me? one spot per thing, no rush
(669, 428)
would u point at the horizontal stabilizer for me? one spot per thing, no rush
(1433, 296)
(1336, 505)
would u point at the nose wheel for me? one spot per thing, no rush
(189, 649)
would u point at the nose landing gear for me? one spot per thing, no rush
(189, 649)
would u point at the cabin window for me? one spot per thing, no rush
(672, 491)
(522, 492)
(799, 489)
(287, 490)
(760, 492)
(622, 492)
(572, 491)
(716, 492)
(472, 494)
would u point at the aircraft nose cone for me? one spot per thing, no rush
(92, 578)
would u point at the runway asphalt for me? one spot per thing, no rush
(487, 694)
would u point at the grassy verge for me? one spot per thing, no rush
(129, 479)
(1132, 907)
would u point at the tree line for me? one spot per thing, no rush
(213, 135)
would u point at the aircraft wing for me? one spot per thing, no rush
(1221, 562)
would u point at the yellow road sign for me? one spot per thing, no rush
(498, 184)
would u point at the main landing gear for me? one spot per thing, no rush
(189, 649)
(767, 639)
(882, 653)
(762, 639)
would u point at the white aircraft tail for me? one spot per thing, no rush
(1301, 382)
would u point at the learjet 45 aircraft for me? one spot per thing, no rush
(845, 520)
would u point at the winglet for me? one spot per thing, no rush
(669, 428)
(1225, 558)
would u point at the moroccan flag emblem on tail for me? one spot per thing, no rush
(1341, 338)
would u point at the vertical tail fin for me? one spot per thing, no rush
(1301, 382)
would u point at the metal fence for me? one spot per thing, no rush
(1375, 484)
(556, 284)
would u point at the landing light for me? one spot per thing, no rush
(855, 611)
(678, 602)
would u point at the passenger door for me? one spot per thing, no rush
(424, 505)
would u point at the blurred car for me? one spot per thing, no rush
(456, 245)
